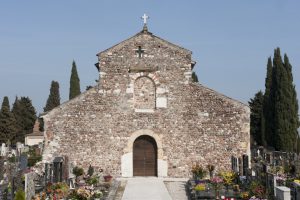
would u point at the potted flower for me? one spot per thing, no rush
(217, 184)
(107, 178)
(257, 189)
(211, 169)
(93, 180)
(245, 195)
(83, 194)
(60, 189)
(280, 180)
(97, 195)
(200, 187)
(228, 178)
(198, 172)
(78, 171)
(236, 188)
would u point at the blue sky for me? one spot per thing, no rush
(231, 40)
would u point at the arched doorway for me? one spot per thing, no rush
(144, 156)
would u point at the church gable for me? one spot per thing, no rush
(145, 95)
(144, 52)
(145, 35)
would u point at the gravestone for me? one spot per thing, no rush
(271, 183)
(297, 167)
(234, 164)
(23, 162)
(3, 150)
(48, 172)
(14, 152)
(296, 191)
(269, 158)
(283, 193)
(245, 164)
(58, 169)
(19, 148)
(240, 165)
(1, 168)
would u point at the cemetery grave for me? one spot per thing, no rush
(63, 181)
(278, 172)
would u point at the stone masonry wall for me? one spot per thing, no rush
(144, 93)
(194, 123)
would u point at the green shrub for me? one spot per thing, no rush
(78, 171)
(92, 180)
(12, 159)
(90, 171)
(198, 171)
(20, 195)
(33, 160)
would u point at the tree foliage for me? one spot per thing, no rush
(268, 105)
(20, 195)
(280, 105)
(195, 77)
(286, 120)
(256, 118)
(74, 82)
(7, 123)
(54, 97)
(25, 116)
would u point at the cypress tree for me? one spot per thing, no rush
(285, 102)
(74, 82)
(16, 110)
(195, 77)
(7, 123)
(268, 105)
(54, 97)
(256, 108)
(25, 115)
(294, 107)
(298, 145)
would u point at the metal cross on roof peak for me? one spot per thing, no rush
(145, 17)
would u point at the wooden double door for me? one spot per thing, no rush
(144, 156)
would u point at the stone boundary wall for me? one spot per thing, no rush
(29, 185)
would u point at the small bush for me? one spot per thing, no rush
(78, 171)
(12, 159)
(20, 195)
(90, 171)
(198, 171)
(33, 160)
(92, 180)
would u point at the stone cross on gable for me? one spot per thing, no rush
(145, 17)
(140, 51)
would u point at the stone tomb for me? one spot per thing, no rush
(145, 90)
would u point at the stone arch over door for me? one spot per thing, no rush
(127, 157)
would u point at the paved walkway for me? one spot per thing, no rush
(146, 188)
(176, 189)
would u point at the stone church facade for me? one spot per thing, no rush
(146, 117)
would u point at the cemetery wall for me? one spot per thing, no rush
(29, 185)
(190, 121)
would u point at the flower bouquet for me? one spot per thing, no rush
(217, 183)
(198, 172)
(107, 178)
